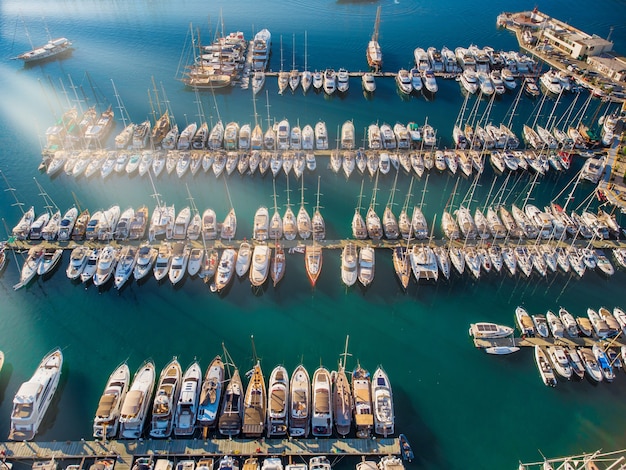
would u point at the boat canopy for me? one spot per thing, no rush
(27, 393)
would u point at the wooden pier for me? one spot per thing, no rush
(532, 341)
(124, 452)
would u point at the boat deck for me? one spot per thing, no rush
(126, 451)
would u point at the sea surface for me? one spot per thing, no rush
(459, 407)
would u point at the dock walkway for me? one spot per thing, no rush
(126, 451)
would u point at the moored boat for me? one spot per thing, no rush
(106, 421)
(34, 397)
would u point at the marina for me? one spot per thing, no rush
(434, 188)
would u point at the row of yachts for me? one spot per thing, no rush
(598, 363)
(180, 402)
(228, 462)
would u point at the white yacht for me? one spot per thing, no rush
(362, 395)
(322, 417)
(106, 421)
(165, 400)
(299, 402)
(34, 396)
(187, 407)
(349, 267)
(259, 269)
(211, 393)
(137, 402)
(78, 261)
(180, 258)
(382, 399)
(277, 402)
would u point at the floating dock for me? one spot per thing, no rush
(124, 452)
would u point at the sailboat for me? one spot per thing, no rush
(211, 393)
(372, 221)
(307, 77)
(294, 75)
(303, 219)
(283, 76)
(390, 223)
(342, 397)
(255, 401)
(53, 48)
(231, 415)
(373, 53)
(317, 221)
(359, 228)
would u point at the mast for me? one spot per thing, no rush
(376, 25)
(344, 355)
(12, 190)
(120, 105)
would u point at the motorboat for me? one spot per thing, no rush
(300, 403)
(343, 80)
(92, 264)
(34, 397)
(368, 82)
(180, 259)
(244, 258)
(600, 326)
(165, 399)
(608, 375)
(367, 256)
(137, 402)
(403, 80)
(49, 259)
(138, 223)
(575, 361)
(259, 269)
(146, 256)
(231, 415)
(569, 323)
(322, 416)
(544, 367)
(211, 393)
(254, 404)
(278, 402)
(560, 361)
(592, 368)
(488, 330)
(382, 399)
(78, 261)
(209, 225)
(349, 266)
(555, 325)
(125, 265)
(163, 261)
(330, 81)
(106, 421)
(225, 269)
(430, 82)
(362, 397)
(524, 322)
(187, 407)
(106, 265)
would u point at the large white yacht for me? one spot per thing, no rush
(137, 402)
(277, 402)
(187, 408)
(106, 421)
(322, 418)
(382, 399)
(300, 403)
(34, 396)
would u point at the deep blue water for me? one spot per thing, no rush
(459, 407)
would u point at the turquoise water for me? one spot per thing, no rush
(459, 407)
